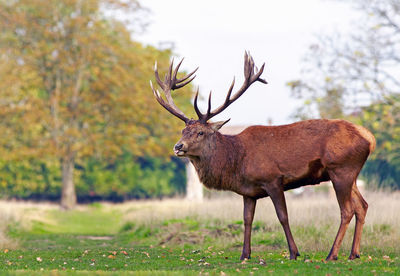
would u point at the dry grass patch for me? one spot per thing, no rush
(314, 219)
(20, 213)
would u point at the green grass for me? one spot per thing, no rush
(105, 240)
(183, 262)
(91, 222)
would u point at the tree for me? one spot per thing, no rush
(358, 68)
(74, 84)
(383, 119)
(355, 76)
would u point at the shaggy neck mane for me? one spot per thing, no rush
(217, 167)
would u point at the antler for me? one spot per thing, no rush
(250, 76)
(171, 82)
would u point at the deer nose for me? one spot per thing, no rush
(178, 146)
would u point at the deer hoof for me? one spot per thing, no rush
(245, 257)
(293, 256)
(354, 256)
(331, 258)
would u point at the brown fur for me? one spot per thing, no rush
(267, 160)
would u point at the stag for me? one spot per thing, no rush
(265, 161)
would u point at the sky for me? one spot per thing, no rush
(214, 35)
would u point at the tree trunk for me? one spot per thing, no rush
(68, 195)
(194, 188)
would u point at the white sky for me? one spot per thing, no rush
(213, 34)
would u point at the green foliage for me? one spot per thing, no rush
(128, 177)
(124, 178)
(74, 87)
(383, 119)
(326, 102)
(30, 179)
(344, 73)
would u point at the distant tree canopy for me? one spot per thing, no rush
(383, 119)
(356, 76)
(74, 88)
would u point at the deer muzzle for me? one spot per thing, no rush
(179, 149)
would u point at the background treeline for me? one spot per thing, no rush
(79, 121)
(77, 114)
(127, 177)
(356, 75)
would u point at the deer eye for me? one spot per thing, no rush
(200, 133)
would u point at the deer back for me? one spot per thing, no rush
(302, 149)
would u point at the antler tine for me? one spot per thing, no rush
(177, 69)
(247, 71)
(160, 83)
(169, 73)
(202, 117)
(249, 67)
(157, 94)
(250, 76)
(188, 75)
(228, 96)
(254, 72)
(171, 83)
(172, 109)
(196, 108)
(168, 85)
(258, 74)
(209, 104)
(179, 83)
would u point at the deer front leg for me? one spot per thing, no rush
(278, 199)
(248, 215)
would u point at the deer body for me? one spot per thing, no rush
(296, 154)
(265, 161)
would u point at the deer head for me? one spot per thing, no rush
(198, 135)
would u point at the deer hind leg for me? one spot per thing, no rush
(342, 183)
(360, 208)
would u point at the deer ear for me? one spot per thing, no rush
(217, 125)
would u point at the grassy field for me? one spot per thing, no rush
(177, 237)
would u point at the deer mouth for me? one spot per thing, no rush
(180, 152)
